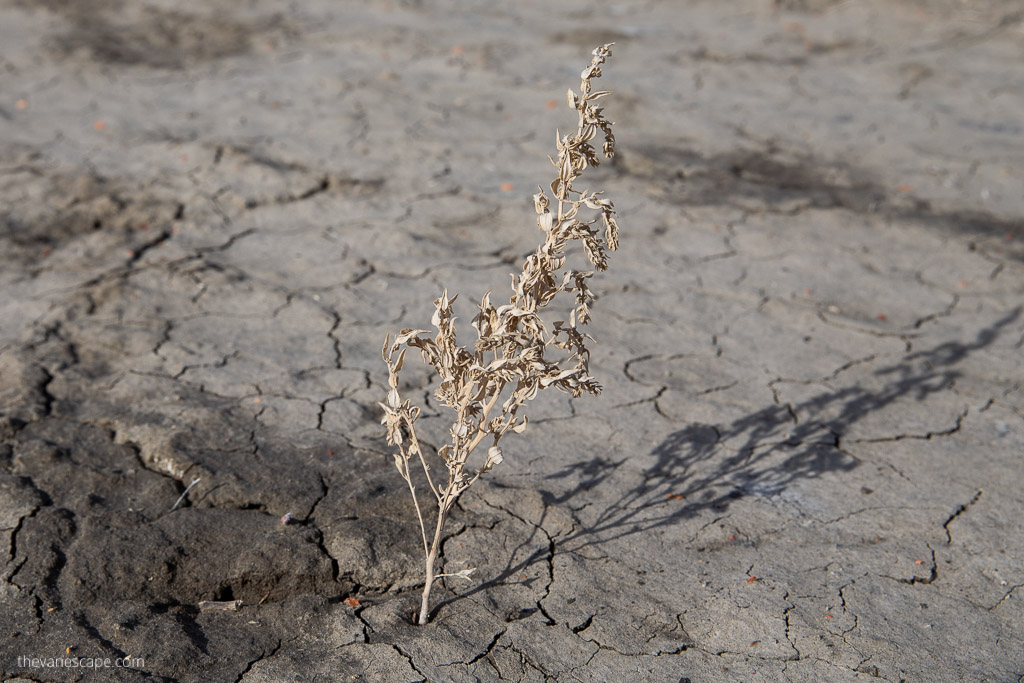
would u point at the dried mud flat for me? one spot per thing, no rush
(806, 464)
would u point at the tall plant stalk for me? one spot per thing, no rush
(516, 353)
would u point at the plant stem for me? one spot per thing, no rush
(447, 499)
(442, 513)
(416, 502)
(482, 430)
(426, 469)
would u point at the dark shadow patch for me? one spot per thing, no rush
(55, 209)
(769, 176)
(776, 180)
(119, 33)
(588, 38)
(806, 5)
(705, 54)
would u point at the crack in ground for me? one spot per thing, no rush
(778, 401)
(933, 574)
(1006, 596)
(142, 249)
(628, 364)
(44, 390)
(584, 625)
(13, 551)
(956, 513)
(487, 651)
(927, 436)
(640, 401)
(550, 555)
(849, 364)
(322, 185)
(842, 603)
(525, 659)
(250, 665)
(785, 617)
(409, 659)
(939, 314)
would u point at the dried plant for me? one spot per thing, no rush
(513, 355)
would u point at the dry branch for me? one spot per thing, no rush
(516, 352)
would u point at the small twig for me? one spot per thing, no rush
(220, 606)
(464, 574)
(184, 493)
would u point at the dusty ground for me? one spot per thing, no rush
(807, 461)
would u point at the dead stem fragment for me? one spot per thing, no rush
(516, 353)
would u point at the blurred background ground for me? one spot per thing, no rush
(806, 462)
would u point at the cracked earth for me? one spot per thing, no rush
(805, 464)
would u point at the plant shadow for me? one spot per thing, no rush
(768, 449)
(694, 471)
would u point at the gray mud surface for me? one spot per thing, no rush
(805, 466)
